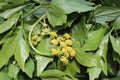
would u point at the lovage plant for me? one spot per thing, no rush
(59, 40)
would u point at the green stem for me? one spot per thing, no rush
(116, 33)
(15, 79)
(29, 37)
(111, 31)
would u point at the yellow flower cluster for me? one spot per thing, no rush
(63, 47)
(36, 39)
(36, 35)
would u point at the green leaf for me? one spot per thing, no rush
(116, 23)
(8, 4)
(7, 51)
(86, 59)
(70, 6)
(14, 45)
(68, 78)
(11, 12)
(102, 51)
(70, 19)
(79, 31)
(29, 68)
(56, 15)
(72, 68)
(115, 78)
(13, 71)
(4, 76)
(115, 44)
(44, 46)
(21, 49)
(103, 14)
(50, 78)
(6, 37)
(113, 3)
(94, 39)
(42, 63)
(9, 23)
(1, 20)
(94, 72)
(52, 73)
(85, 2)
(116, 57)
(40, 12)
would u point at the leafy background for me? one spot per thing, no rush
(93, 24)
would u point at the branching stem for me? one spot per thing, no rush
(29, 37)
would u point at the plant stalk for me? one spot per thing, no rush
(29, 37)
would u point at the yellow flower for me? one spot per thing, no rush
(54, 51)
(55, 42)
(66, 54)
(34, 38)
(38, 39)
(68, 42)
(64, 60)
(60, 39)
(53, 34)
(72, 54)
(69, 49)
(64, 50)
(67, 36)
(62, 44)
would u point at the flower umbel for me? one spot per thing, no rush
(64, 44)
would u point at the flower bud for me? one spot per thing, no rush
(67, 36)
(54, 51)
(54, 41)
(62, 44)
(68, 42)
(53, 34)
(64, 60)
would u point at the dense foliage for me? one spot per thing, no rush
(59, 40)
